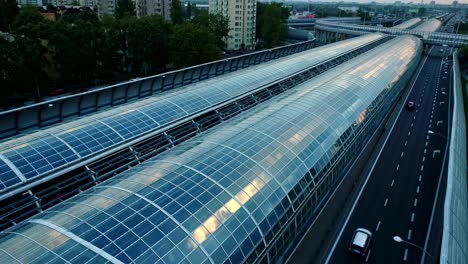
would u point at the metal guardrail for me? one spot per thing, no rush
(454, 248)
(43, 114)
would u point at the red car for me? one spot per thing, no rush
(57, 92)
(410, 106)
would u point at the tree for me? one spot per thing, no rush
(192, 44)
(28, 16)
(177, 16)
(216, 23)
(125, 8)
(147, 40)
(8, 11)
(421, 11)
(188, 12)
(271, 26)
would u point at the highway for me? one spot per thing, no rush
(399, 193)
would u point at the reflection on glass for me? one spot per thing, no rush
(202, 232)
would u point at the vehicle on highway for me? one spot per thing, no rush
(409, 106)
(57, 92)
(360, 242)
(441, 50)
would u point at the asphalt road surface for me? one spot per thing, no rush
(398, 197)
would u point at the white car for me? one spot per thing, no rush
(360, 242)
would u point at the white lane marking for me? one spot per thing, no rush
(378, 226)
(409, 133)
(405, 256)
(415, 202)
(414, 117)
(424, 158)
(368, 254)
(430, 120)
(420, 177)
(422, 167)
(402, 154)
(437, 151)
(412, 124)
(406, 142)
(409, 234)
(412, 217)
(393, 181)
(426, 143)
(397, 167)
(425, 150)
(386, 201)
(430, 125)
(427, 137)
(417, 189)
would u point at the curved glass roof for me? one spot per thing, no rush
(431, 25)
(33, 155)
(213, 198)
(408, 23)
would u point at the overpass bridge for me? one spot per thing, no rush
(227, 162)
(326, 31)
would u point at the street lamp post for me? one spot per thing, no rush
(400, 240)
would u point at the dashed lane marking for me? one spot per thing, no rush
(397, 167)
(386, 201)
(393, 181)
(417, 189)
(405, 256)
(378, 226)
(412, 217)
(420, 177)
(409, 234)
(415, 202)
(402, 154)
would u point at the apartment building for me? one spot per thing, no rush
(153, 7)
(242, 21)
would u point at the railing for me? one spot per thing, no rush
(43, 114)
(454, 247)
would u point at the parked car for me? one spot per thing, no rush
(410, 106)
(360, 242)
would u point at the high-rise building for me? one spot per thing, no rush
(455, 4)
(106, 7)
(153, 7)
(242, 20)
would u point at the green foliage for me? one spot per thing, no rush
(81, 50)
(28, 16)
(177, 15)
(147, 40)
(8, 11)
(192, 44)
(421, 11)
(124, 8)
(271, 23)
(216, 23)
(464, 51)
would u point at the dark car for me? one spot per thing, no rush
(57, 92)
(360, 242)
(410, 106)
